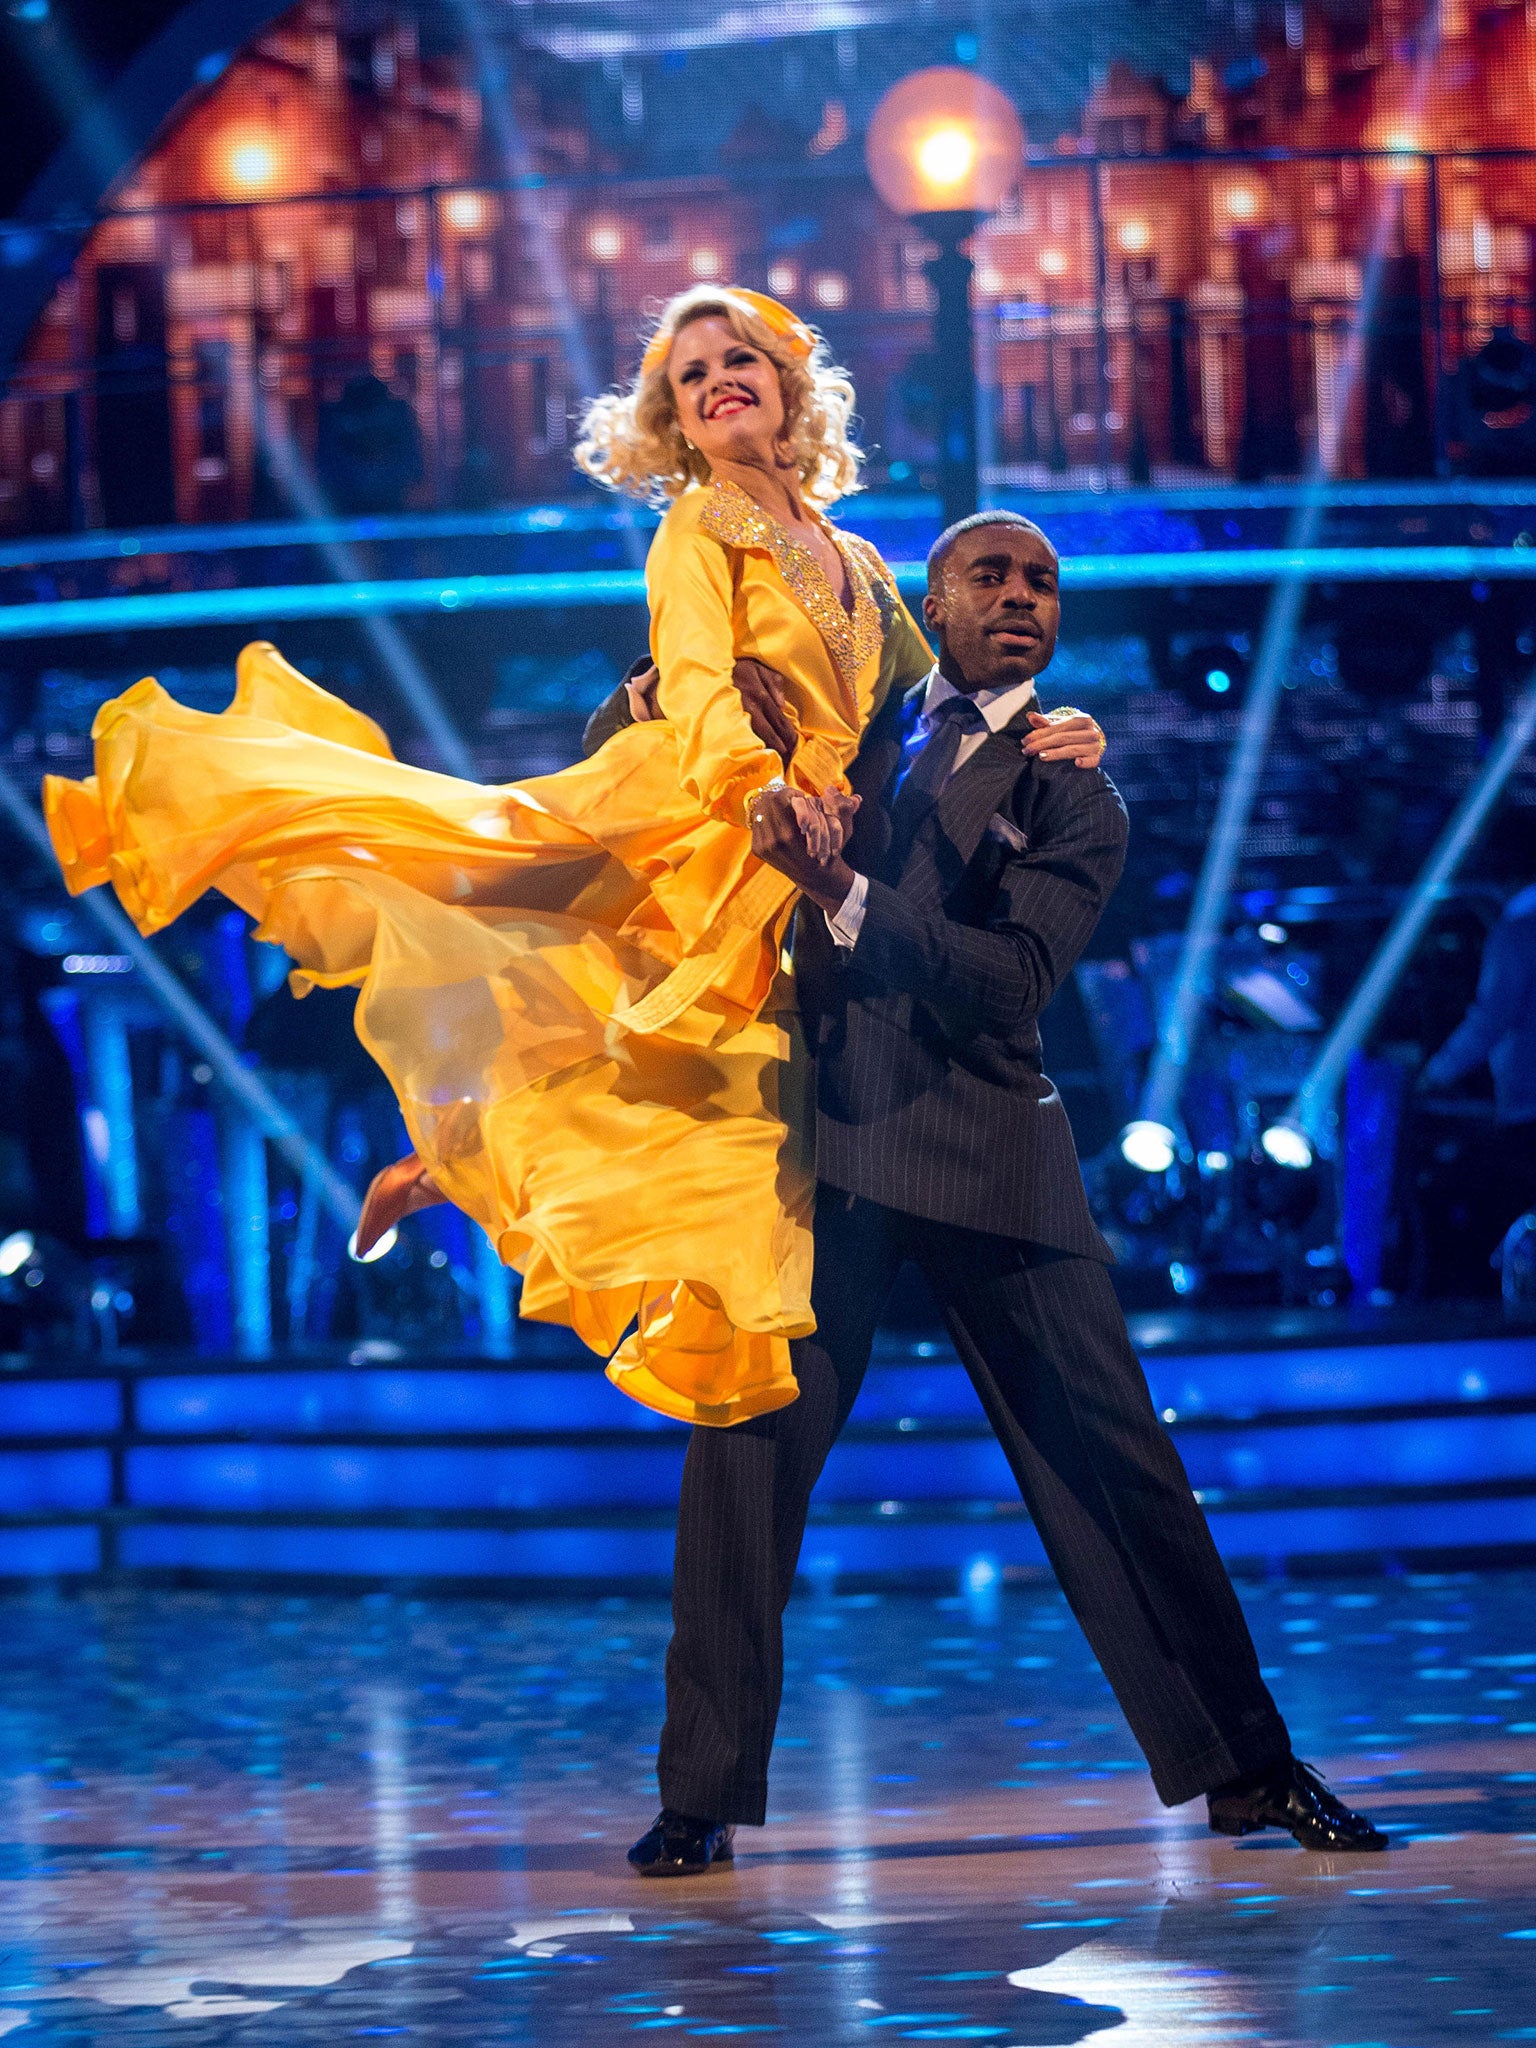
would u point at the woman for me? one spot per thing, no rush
(573, 982)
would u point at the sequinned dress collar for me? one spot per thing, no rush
(851, 638)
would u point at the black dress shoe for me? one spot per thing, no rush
(1296, 1798)
(677, 1846)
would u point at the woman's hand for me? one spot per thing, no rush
(1066, 735)
(640, 686)
(822, 839)
(839, 808)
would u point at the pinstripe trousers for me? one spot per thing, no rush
(1043, 1338)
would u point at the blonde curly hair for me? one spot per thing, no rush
(631, 440)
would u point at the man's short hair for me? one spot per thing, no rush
(939, 552)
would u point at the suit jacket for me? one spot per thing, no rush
(931, 1097)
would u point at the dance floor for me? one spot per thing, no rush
(241, 1818)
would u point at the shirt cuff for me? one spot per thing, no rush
(846, 923)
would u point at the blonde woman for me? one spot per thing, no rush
(573, 983)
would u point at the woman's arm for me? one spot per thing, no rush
(720, 759)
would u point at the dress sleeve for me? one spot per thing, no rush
(721, 761)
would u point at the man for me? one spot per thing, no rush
(974, 876)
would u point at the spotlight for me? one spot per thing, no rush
(1150, 1147)
(1287, 1144)
(1273, 934)
(1052, 263)
(250, 162)
(1203, 665)
(605, 243)
(15, 1252)
(1134, 237)
(381, 1250)
(465, 211)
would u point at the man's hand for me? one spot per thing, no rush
(802, 836)
(1066, 735)
(764, 698)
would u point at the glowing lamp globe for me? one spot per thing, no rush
(249, 163)
(944, 141)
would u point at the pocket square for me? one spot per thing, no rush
(999, 827)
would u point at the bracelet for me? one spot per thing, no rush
(755, 799)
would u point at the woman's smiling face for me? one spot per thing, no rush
(727, 394)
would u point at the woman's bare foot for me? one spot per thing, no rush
(400, 1190)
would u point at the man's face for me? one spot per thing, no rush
(997, 608)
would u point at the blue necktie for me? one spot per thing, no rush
(928, 764)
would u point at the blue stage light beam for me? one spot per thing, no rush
(297, 481)
(1309, 1124)
(195, 1025)
(1179, 1026)
(256, 604)
(524, 180)
(39, 550)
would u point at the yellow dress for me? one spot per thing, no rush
(572, 983)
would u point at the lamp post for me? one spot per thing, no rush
(943, 147)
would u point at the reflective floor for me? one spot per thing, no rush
(242, 1819)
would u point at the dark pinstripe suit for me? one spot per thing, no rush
(939, 1139)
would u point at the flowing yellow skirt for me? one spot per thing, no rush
(573, 985)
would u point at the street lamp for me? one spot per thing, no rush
(943, 147)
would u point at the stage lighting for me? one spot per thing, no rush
(1243, 202)
(15, 1252)
(783, 280)
(830, 290)
(381, 1250)
(1287, 1144)
(250, 162)
(605, 244)
(1134, 237)
(1150, 1147)
(705, 264)
(465, 211)
(1052, 262)
(944, 141)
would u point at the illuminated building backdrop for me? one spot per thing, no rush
(478, 205)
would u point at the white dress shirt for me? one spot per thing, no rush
(998, 708)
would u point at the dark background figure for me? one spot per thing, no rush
(1498, 1149)
(1493, 409)
(368, 455)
